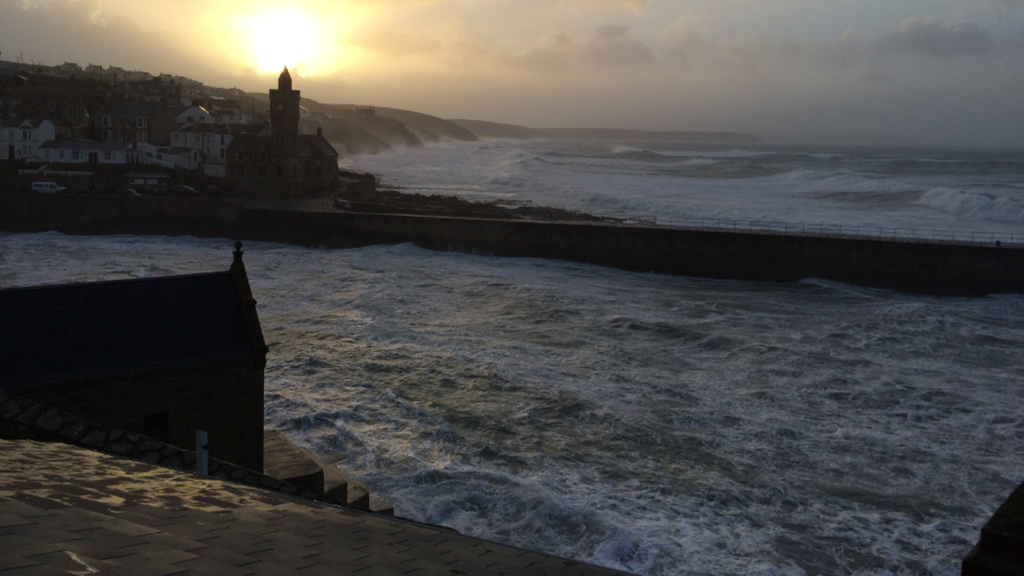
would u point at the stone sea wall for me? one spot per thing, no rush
(940, 268)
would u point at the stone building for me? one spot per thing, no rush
(135, 122)
(280, 162)
(161, 357)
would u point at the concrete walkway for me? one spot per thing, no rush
(68, 510)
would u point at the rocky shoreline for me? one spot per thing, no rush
(360, 194)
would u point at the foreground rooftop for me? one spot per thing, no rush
(65, 509)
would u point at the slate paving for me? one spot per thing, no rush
(66, 509)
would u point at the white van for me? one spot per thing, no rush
(47, 187)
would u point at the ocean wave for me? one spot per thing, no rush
(978, 206)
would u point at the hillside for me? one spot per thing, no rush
(371, 130)
(484, 129)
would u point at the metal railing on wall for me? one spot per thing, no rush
(843, 230)
(770, 226)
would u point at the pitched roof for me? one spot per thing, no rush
(315, 145)
(85, 145)
(71, 333)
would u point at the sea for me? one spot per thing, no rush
(655, 424)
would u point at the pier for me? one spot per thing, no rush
(915, 265)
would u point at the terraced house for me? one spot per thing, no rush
(135, 122)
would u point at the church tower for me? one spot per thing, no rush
(284, 117)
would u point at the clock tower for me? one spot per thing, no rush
(284, 117)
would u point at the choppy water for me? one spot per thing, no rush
(921, 189)
(656, 424)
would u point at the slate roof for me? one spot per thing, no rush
(89, 145)
(72, 333)
(313, 145)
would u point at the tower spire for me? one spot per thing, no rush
(284, 81)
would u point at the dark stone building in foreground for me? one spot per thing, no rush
(161, 357)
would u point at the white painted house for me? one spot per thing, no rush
(210, 143)
(87, 152)
(22, 138)
(195, 115)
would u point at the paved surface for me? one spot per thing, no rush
(67, 510)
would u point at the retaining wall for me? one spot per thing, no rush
(942, 268)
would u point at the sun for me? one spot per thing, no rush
(283, 37)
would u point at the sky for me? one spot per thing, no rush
(937, 72)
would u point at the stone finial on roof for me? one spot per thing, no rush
(238, 252)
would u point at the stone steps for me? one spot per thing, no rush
(285, 461)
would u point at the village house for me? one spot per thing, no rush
(211, 142)
(23, 138)
(88, 152)
(194, 115)
(167, 92)
(136, 122)
(59, 102)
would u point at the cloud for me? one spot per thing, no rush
(926, 36)
(577, 6)
(682, 36)
(550, 55)
(612, 47)
(74, 31)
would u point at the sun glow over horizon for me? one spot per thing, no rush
(285, 37)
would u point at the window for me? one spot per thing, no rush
(60, 155)
(46, 154)
(120, 122)
(263, 170)
(221, 139)
(221, 153)
(142, 122)
(106, 121)
(140, 136)
(75, 154)
(108, 156)
(280, 171)
(106, 135)
(25, 134)
(240, 169)
(51, 105)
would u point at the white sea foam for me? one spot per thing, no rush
(854, 187)
(992, 205)
(656, 424)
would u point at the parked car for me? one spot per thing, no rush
(126, 192)
(47, 187)
(182, 190)
(215, 192)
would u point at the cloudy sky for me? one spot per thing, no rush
(944, 72)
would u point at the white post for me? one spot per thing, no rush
(202, 454)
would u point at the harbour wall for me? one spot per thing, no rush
(940, 268)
